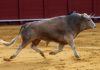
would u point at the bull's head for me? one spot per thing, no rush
(87, 22)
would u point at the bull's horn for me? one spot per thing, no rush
(92, 15)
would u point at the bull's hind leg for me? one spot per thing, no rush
(59, 49)
(34, 47)
(23, 44)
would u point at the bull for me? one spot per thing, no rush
(60, 29)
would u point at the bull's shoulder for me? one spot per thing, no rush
(55, 20)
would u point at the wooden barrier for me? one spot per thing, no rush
(22, 21)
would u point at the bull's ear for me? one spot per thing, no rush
(92, 15)
(82, 16)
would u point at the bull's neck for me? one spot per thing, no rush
(75, 30)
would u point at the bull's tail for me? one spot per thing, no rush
(9, 43)
(12, 41)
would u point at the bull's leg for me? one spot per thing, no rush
(70, 41)
(59, 49)
(74, 49)
(24, 43)
(34, 47)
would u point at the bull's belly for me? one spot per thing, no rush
(58, 40)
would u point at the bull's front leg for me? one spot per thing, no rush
(59, 49)
(70, 40)
(72, 45)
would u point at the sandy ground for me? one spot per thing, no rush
(88, 46)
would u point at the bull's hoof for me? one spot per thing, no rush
(77, 56)
(52, 53)
(42, 54)
(6, 59)
(77, 59)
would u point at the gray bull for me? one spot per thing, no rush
(61, 29)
